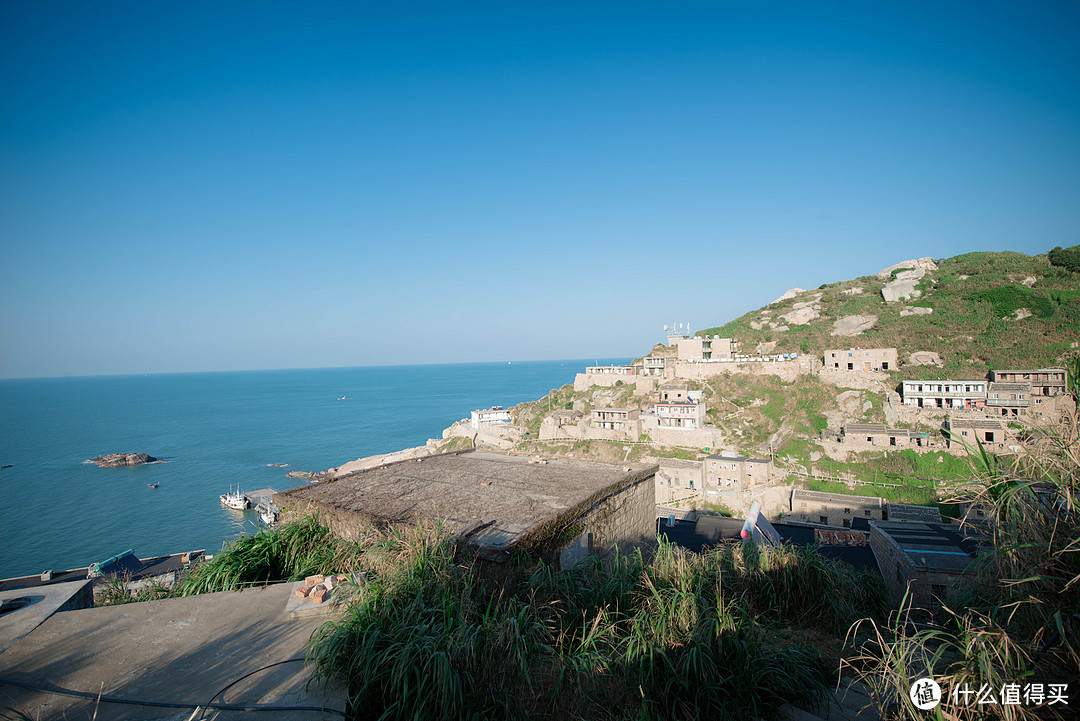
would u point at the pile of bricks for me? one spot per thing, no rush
(318, 588)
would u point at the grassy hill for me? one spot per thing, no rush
(973, 326)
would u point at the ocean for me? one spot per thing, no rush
(215, 431)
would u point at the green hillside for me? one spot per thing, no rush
(989, 310)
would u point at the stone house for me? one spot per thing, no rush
(968, 433)
(862, 359)
(494, 416)
(1010, 400)
(680, 414)
(678, 479)
(925, 560)
(672, 392)
(834, 509)
(730, 471)
(624, 421)
(629, 371)
(875, 436)
(707, 347)
(657, 366)
(495, 506)
(909, 513)
(944, 393)
(1044, 381)
(560, 424)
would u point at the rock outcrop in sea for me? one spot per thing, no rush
(114, 460)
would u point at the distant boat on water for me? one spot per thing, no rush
(152, 485)
(343, 398)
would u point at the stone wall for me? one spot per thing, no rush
(839, 511)
(585, 381)
(626, 519)
(787, 370)
(707, 438)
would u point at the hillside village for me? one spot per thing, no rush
(836, 446)
(753, 416)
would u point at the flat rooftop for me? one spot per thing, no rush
(492, 498)
(179, 650)
(801, 494)
(932, 545)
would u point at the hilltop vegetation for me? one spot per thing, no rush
(989, 310)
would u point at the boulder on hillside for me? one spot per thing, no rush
(801, 316)
(900, 290)
(924, 358)
(115, 460)
(923, 264)
(790, 294)
(854, 324)
(916, 310)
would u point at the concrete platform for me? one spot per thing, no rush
(38, 604)
(180, 650)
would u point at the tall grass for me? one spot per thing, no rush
(673, 636)
(1019, 621)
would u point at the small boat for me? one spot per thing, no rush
(268, 517)
(343, 398)
(234, 500)
(152, 485)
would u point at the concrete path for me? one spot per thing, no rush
(851, 703)
(180, 650)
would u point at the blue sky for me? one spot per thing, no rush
(222, 186)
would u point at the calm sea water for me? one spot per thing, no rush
(215, 430)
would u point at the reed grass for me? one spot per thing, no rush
(672, 636)
(1018, 621)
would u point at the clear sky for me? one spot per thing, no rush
(217, 186)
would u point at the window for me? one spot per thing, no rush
(823, 519)
(847, 510)
(866, 512)
(884, 365)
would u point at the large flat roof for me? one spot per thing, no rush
(933, 545)
(492, 498)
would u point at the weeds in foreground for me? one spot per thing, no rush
(675, 636)
(1019, 621)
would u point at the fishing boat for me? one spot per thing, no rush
(234, 500)
(152, 485)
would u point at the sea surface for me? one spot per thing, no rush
(216, 431)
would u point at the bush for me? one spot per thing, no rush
(1068, 258)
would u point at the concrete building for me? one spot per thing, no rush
(923, 559)
(944, 393)
(707, 347)
(862, 359)
(494, 416)
(680, 414)
(672, 392)
(629, 371)
(969, 433)
(834, 509)
(730, 471)
(678, 480)
(1010, 400)
(496, 505)
(657, 366)
(617, 419)
(560, 424)
(1044, 381)
(908, 513)
(875, 436)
